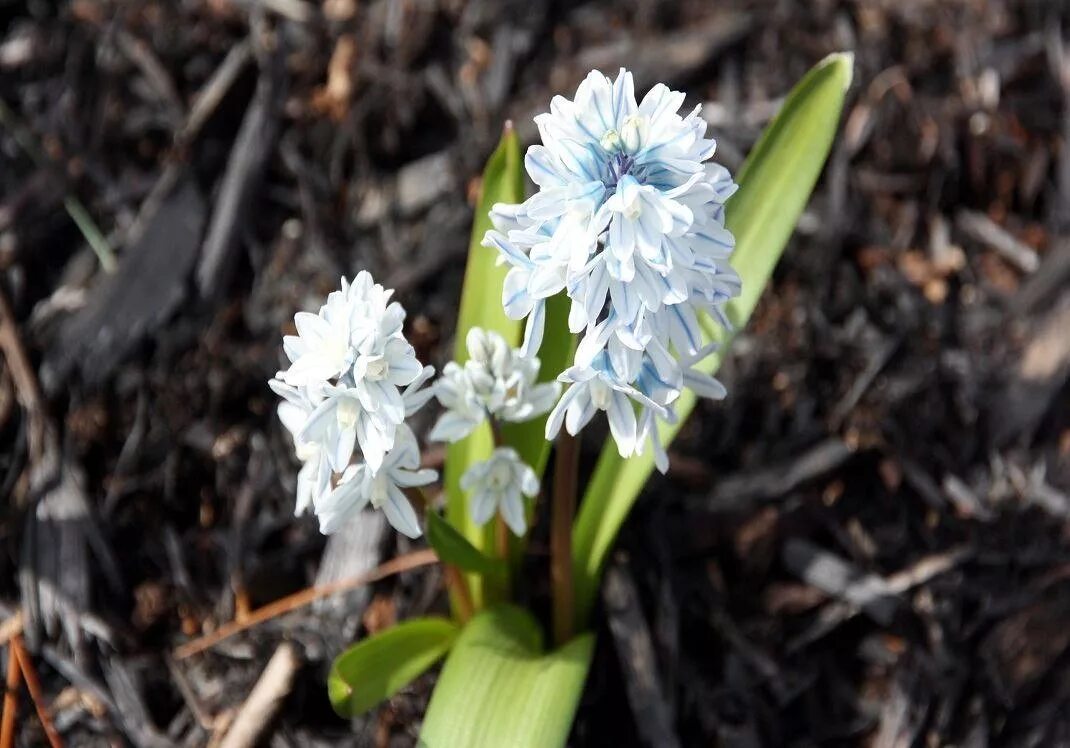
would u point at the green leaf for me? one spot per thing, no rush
(380, 666)
(454, 548)
(499, 688)
(775, 183)
(481, 306)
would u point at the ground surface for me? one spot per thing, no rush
(866, 544)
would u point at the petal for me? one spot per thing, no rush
(481, 506)
(622, 423)
(318, 420)
(342, 449)
(529, 482)
(312, 327)
(452, 427)
(533, 331)
(400, 514)
(340, 504)
(704, 385)
(512, 509)
(516, 299)
(557, 415)
(414, 478)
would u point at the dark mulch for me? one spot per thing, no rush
(865, 544)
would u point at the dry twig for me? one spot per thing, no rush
(11, 701)
(306, 597)
(264, 700)
(33, 685)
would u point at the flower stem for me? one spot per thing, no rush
(566, 469)
(501, 536)
(456, 584)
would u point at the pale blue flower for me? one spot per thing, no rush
(382, 488)
(496, 381)
(500, 483)
(628, 221)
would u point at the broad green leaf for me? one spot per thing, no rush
(481, 306)
(380, 666)
(454, 548)
(499, 688)
(775, 183)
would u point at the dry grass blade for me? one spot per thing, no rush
(11, 701)
(33, 685)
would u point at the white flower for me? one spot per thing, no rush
(499, 483)
(343, 392)
(628, 222)
(321, 350)
(382, 488)
(494, 381)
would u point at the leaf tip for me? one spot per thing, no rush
(339, 693)
(845, 62)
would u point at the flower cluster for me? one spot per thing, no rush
(352, 381)
(499, 384)
(495, 382)
(628, 221)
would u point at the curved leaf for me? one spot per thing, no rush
(498, 688)
(775, 183)
(380, 666)
(454, 548)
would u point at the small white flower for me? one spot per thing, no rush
(499, 483)
(382, 488)
(340, 422)
(494, 381)
(321, 350)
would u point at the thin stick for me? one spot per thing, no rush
(265, 699)
(300, 599)
(566, 467)
(23, 374)
(11, 703)
(455, 583)
(33, 685)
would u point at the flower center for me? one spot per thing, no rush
(601, 394)
(377, 369)
(610, 140)
(633, 132)
(347, 412)
(379, 491)
(501, 475)
(620, 166)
